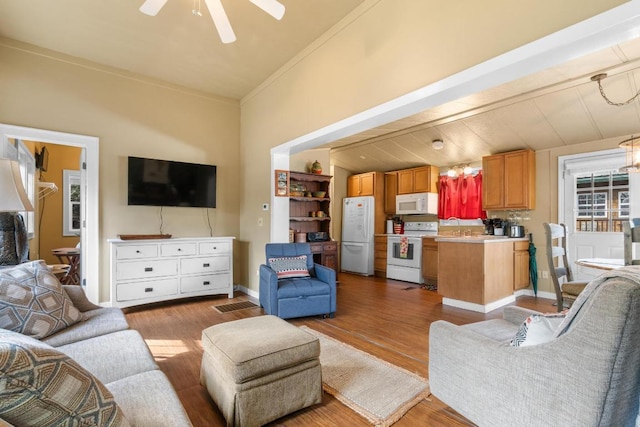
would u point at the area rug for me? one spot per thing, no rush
(225, 308)
(379, 391)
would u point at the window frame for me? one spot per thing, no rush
(69, 178)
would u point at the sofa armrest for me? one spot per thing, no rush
(325, 274)
(78, 298)
(488, 381)
(268, 292)
(517, 315)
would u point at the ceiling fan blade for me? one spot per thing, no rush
(272, 7)
(152, 7)
(221, 21)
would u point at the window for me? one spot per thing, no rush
(602, 201)
(71, 205)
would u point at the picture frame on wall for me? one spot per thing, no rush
(282, 183)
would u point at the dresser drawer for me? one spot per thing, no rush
(210, 264)
(213, 248)
(146, 269)
(146, 290)
(205, 283)
(177, 249)
(330, 247)
(136, 251)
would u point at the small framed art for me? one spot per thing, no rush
(282, 183)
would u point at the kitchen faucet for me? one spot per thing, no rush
(458, 220)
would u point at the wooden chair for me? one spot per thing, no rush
(631, 236)
(559, 266)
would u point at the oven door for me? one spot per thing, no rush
(404, 252)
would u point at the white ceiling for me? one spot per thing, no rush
(556, 107)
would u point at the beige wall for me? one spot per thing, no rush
(391, 48)
(131, 116)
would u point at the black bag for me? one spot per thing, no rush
(14, 246)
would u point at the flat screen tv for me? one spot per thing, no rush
(155, 182)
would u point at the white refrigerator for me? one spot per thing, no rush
(357, 248)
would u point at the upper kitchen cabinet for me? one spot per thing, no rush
(365, 184)
(423, 179)
(390, 191)
(509, 181)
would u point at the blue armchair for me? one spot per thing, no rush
(288, 297)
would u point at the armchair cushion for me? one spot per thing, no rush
(33, 302)
(290, 267)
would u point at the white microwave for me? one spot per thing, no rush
(417, 203)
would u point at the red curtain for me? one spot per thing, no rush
(461, 197)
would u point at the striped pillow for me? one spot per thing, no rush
(537, 329)
(290, 267)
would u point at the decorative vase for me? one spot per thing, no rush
(316, 167)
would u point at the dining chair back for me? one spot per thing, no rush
(559, 266)
(631, 236)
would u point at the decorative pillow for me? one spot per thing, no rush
(33, 302)
(537, 329)
(40, 386)
(289, 267)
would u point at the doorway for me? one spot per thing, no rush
(89, 236)
(594, 198)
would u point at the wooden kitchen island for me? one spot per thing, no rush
(478, 273)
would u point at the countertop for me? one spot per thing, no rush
(477, 238)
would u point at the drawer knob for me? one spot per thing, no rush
(179, 249)
(137, 251)
(148, 289)
(146, 269)
(206, 283)
(205, 264)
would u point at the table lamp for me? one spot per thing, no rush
(14, 197)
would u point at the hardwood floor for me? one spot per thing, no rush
(389, 319)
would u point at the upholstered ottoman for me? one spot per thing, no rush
(260, 369)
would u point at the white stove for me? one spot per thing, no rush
(404, 251)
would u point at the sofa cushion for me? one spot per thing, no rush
(148, 400)
(537, 329)
(33, 302)
(122, 354)
(289, 267)
(96, 322)
(40, 386)
(302, 287)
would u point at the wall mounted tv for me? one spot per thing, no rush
(166, 183)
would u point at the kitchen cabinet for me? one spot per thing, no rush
(380, 257)
(423, 179)
(509, 181)
(301, 208)
(390, 191)
(365, 184)
(430, 260)
(520, 265)
(326, 253)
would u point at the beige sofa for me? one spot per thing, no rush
(96, 370)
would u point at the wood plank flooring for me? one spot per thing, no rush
(386, 318)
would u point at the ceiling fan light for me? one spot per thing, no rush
(152, 7)
(272, 7)
(221, 21)
(437, 144)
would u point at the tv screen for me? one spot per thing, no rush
(165, 183)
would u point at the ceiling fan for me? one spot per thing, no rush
(220, 19)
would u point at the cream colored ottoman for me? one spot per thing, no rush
(260, 369)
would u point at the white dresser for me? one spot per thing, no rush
(145, 271)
